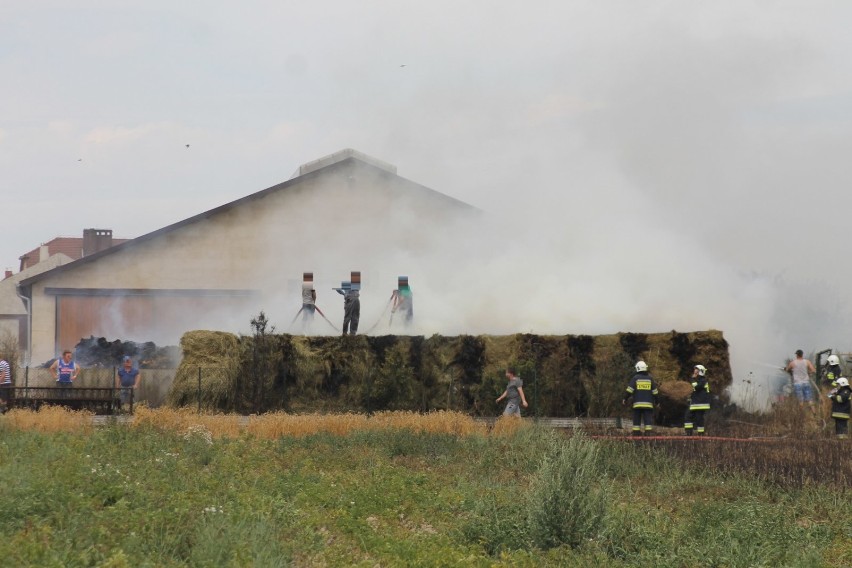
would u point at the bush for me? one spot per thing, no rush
(566, 500)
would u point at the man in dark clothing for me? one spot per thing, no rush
(832, 370)
(351, 311)
(699, 402)
(351, 308)
(644, 391)
(841, 407)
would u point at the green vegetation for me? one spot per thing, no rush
(145, 495)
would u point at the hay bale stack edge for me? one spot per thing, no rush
(566, 375)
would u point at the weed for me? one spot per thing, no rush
(567, 497)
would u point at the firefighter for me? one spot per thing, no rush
(644, 391)
(833, 371)
(699, 402)
(840, 407)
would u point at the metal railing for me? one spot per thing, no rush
(100, 400)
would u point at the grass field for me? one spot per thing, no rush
(398, 489)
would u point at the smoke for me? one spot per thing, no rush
(639, 166)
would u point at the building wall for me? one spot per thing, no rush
(346, 217)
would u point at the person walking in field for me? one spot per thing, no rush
(801, 369)
(643, 389)
(699, 402)
(514, 394)
(841, 407)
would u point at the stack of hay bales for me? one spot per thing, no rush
(569, 375)
(209, 369)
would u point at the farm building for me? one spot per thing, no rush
(341, 213)
(13, 310)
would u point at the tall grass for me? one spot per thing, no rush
(49, 419)
(172, 490)
(568, 494)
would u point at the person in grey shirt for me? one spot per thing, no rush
(801, 369)
(514, 394)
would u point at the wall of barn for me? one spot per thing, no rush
(345, 217)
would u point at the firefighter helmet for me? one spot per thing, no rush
(833, 360)
(641, 366)
(701, 369)
(843, 382)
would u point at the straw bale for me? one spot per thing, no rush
(565, 375)
(215, 356)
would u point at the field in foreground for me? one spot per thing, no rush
(402, 490)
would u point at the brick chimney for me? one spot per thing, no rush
(96, 240)
(8, 274)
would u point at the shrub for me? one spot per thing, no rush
(566, 500)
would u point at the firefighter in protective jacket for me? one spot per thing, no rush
(833, 371)
(644, 391)
(699, 402)
(840, 407)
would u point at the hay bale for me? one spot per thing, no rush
(673, 401)
(568, 375)
(214, 357)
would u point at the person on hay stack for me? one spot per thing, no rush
(699, 402)
(643, 389)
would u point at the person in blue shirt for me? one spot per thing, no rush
(127, 379)
(65, 371)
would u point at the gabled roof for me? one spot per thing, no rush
(330, 163)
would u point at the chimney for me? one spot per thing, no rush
(8, 274)
(43, 253)
(96, 240)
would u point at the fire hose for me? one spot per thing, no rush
(378, 321)
(319, 311)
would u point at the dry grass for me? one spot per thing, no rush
(507, 425)
(185, 419)
(49, 419)
(276, 424)
(793, 463)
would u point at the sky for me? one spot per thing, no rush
(657, 165)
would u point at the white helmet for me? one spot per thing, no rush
(701, 369)
(843, 382)
(833, 360)
(641, 366)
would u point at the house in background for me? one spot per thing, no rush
(216, 270)
(94, 240)
(14, 318)
(13, 308)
